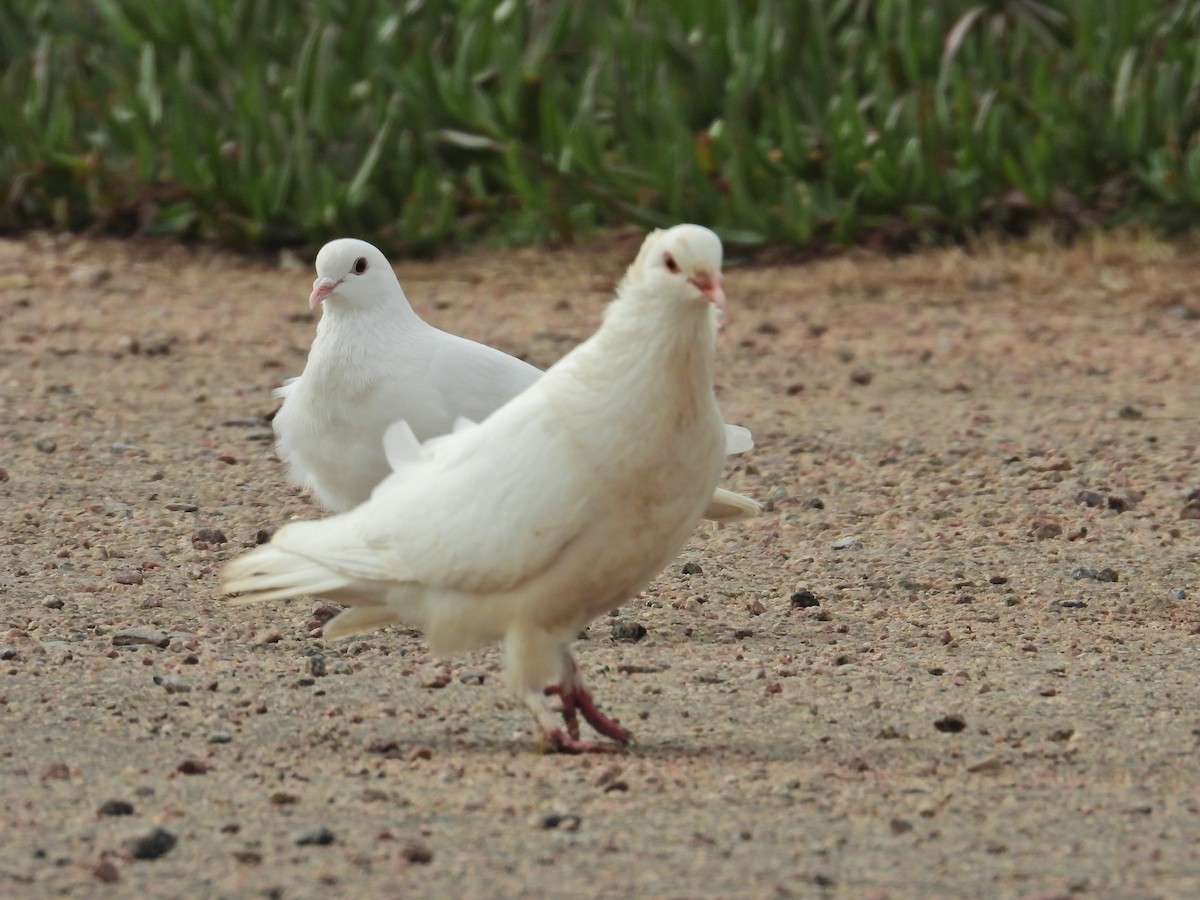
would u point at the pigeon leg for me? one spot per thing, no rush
(576, 697)
(568, 708)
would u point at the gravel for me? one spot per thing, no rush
(808, 724)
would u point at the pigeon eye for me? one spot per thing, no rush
(360, 265)
(669, 262)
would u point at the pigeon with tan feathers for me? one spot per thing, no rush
(557, 508)
(374, 362)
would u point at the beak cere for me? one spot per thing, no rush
(710, 286)
(322, 288)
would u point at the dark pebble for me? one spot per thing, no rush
(691, 568)
(183, 507)
(628, 631)
(129, 576)
(45, 445)
(115, 808)
(1129, 412)
(813, 503)
(209, 536)
(950, 724)
(316, 665)
(3, 474)
(742, 633)
(567, 822)
(416, 852)
(804, 599)
(1072, 604)
(900, 826)
(998, 579)
(151, 845)
(1191, 510)
(191, 766)
(1090, 498)
(862, 376)
(1045, 530)
(319, 836)
(106, 872)
(471, 678)
(1120, 504)
(1087, 572)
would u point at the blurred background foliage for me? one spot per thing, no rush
(426, 122)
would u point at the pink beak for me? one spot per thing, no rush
(322, 288)
(710, 287)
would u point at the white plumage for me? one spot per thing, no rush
(554, 510)
(373, 362)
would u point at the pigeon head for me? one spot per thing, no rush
(354, 271)
(684, 261)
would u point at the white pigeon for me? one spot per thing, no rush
(557, 508)
(374, 362)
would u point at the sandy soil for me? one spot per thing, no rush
(977, 464)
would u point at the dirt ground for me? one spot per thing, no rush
(956, 656)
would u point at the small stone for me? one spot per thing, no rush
(804, 600)
(130, 637)
(416, 852)
(951, 724)
(220, 737)
(1175, 594)
(560, 822)
(691, 568)
(630, 632)
(208, 538)
(183, 507)
(862, 377)
(813, 503)
(900, 826)
(471, 677)
(998, 579)
(322, 612)
(1129, 412)
(756, 608)
(56, 770)
(173, 684)
(1062, 734)
(115, 808)
(1090, 498)
(283, 798)
(1086, 572)
(53, 603)
(315, 665)
(129, 576)
(106, 872)
(1191, 510)
(1046, 530)
(849, 542)
(420, 751)
(316, 837)
(192, 766)
(1072, 604)
(9, 653)
(45, 445)
(3, 474)
(151, 845)
(1120, 504)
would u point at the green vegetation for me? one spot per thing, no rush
(421, 122)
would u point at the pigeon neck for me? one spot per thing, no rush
(679, 338)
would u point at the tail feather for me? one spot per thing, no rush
(272, 574)
(358, 619)
(726, 506)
